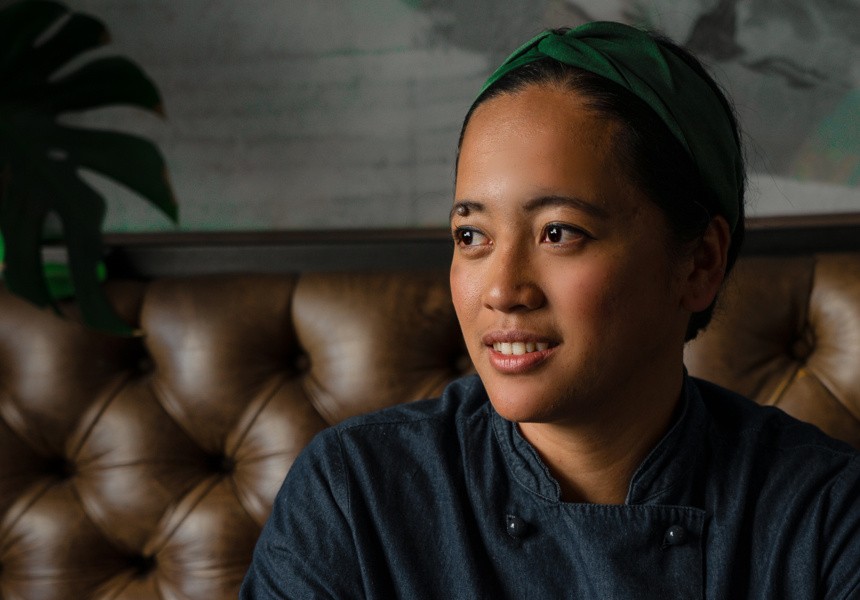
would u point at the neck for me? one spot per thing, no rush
(595, 461)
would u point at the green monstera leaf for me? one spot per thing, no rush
(41, 159)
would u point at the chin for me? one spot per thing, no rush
(523, 402)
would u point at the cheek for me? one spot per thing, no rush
(632, 293)
(464, 292)
(586, 294)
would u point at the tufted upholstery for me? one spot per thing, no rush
(144, 468)
(788, 334)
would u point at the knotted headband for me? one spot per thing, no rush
(684, 101)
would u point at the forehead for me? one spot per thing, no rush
(548, 105)
(541, 140)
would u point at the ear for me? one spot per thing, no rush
(707, 266)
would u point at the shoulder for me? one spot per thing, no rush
(419, 424)
(786, 482)
(460, 400)
(735, 417)
(384, 460)
(773, 447)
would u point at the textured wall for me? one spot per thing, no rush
(286, 114)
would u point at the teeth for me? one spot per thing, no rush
(519, 348)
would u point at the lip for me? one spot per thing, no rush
(518, 364)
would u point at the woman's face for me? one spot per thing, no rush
(562, 278)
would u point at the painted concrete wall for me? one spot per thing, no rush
(296, 114)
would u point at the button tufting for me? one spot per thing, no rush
(143, 565)
(516, 527)
(61, 468)
(800, 350)
(302, 363)
(675, 536)
(145, 365)
(221, 464)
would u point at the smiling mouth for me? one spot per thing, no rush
(519, 348)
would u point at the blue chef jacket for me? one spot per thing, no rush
(445, 499)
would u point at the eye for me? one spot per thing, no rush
(469, 236)
(556, 233)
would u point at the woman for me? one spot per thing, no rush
(598, 206)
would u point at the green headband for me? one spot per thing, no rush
(681, 97)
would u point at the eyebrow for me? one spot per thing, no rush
(536, 204)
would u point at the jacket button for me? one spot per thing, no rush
(675, 536)
(516, 527)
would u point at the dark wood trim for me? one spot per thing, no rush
(283, 237)
(803, 234)
(184, 253)
(803, 221)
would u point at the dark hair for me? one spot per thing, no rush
(646, 148)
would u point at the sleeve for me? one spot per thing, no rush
(306, 548)
(841, 539)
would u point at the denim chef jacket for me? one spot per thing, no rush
(445, 499)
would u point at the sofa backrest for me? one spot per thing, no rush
(144, 467)
(787, 333)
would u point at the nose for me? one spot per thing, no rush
(511, 283)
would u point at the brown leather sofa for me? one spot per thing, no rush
(143, 468)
